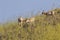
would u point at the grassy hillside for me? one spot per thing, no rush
(44, 28)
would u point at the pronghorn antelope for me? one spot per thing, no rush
(48, 13)
(22, 20)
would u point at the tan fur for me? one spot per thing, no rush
(30, 20)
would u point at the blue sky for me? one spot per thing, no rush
(12, 9)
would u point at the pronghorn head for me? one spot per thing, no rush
(21, 20)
